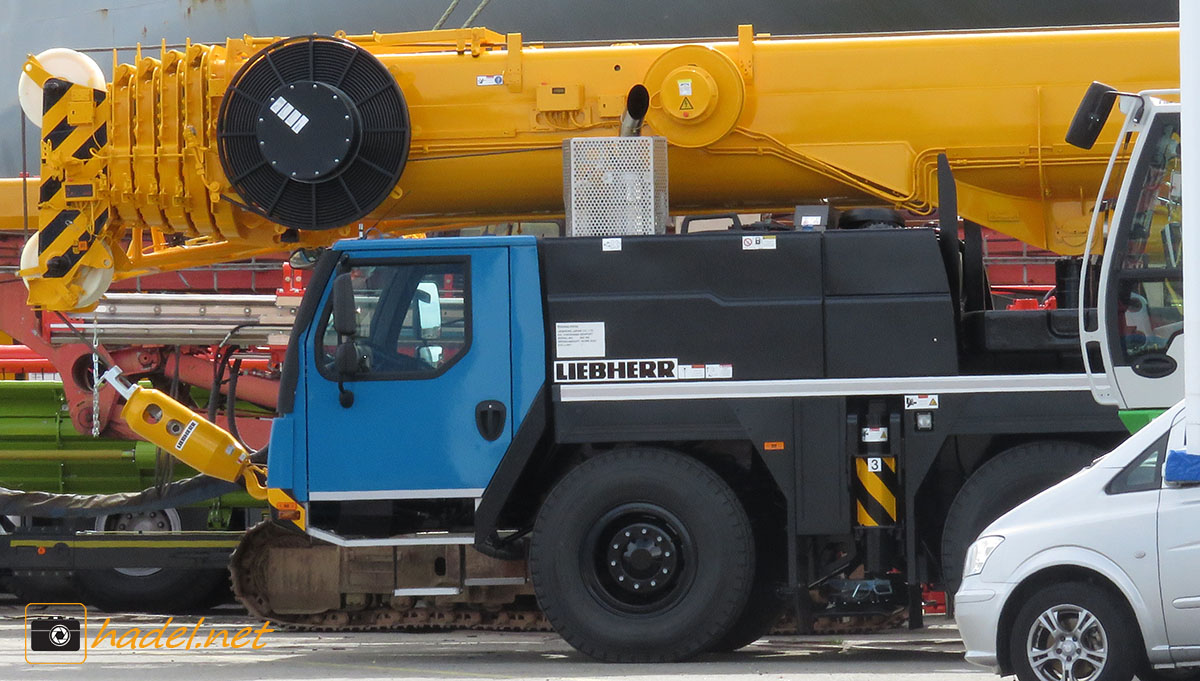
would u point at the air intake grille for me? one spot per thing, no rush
(615, 186)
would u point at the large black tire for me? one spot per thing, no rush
(162, 590)
(169, 590)
(766, 604)
(680, 534)
(43, 588)
(763, 610)
(998, 486)
(1105, 647)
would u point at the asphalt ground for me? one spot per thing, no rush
(205, 649)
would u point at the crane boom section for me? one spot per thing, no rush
(219, 152)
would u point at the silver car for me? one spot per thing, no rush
(1095, 579)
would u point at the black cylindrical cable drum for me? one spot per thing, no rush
(325, 172)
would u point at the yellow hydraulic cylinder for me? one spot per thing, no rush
(221, 152)
(187, 436)
(161, 420)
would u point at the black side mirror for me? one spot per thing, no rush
(345, 362)
(1091, 115)
(304, 258)
(345, 314)
(345, 323)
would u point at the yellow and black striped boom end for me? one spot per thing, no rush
(73, 209)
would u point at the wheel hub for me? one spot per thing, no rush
(642, 558)
(1067, 643)
(166, 520)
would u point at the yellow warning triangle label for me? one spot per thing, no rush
(686, 105)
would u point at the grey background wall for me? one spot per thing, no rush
(30, 26)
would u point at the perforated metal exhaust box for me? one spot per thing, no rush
(615, 186)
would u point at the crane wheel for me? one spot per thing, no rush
(313, 132)
(998, 486)
(642, 555)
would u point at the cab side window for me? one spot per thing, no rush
(1143, 473)
(1148, 277)
(412, 319)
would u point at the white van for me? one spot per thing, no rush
(1095, 579)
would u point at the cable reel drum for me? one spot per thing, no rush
(313, 132)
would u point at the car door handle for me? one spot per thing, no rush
(489, 419)
(1186, 603)
(1154, 365)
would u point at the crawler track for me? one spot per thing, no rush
(248, 571)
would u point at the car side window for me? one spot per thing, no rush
(412, 319)
(1143, 473)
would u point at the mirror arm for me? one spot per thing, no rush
(345, 397)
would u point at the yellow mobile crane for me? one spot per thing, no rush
(260, 145)
(172, 164)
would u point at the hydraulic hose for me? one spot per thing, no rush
(49, 505)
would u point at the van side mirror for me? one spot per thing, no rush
(1091, 115)
(345, 313)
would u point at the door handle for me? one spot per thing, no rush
(489, 419)
(1154, 365)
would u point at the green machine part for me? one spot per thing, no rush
(40, 450)
(1136, 419)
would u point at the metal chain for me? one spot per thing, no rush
(95, 375)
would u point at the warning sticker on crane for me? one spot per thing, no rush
(685, 89)
(758, 243)
(718, 371)
(484, 81)
(920, 402)
(702, 371)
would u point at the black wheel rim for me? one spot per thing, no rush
(638, 559)
(313, 132)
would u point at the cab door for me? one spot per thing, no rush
(1141, 292)
(429, 415)
(1179, 560)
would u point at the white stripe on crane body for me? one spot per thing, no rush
(822, 387)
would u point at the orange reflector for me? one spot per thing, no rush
(772, 446)
(41, 550)
(290, 514)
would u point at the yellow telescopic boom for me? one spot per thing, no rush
(219, 152)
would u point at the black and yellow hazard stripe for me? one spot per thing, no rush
(875, 493)
(74, 131)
